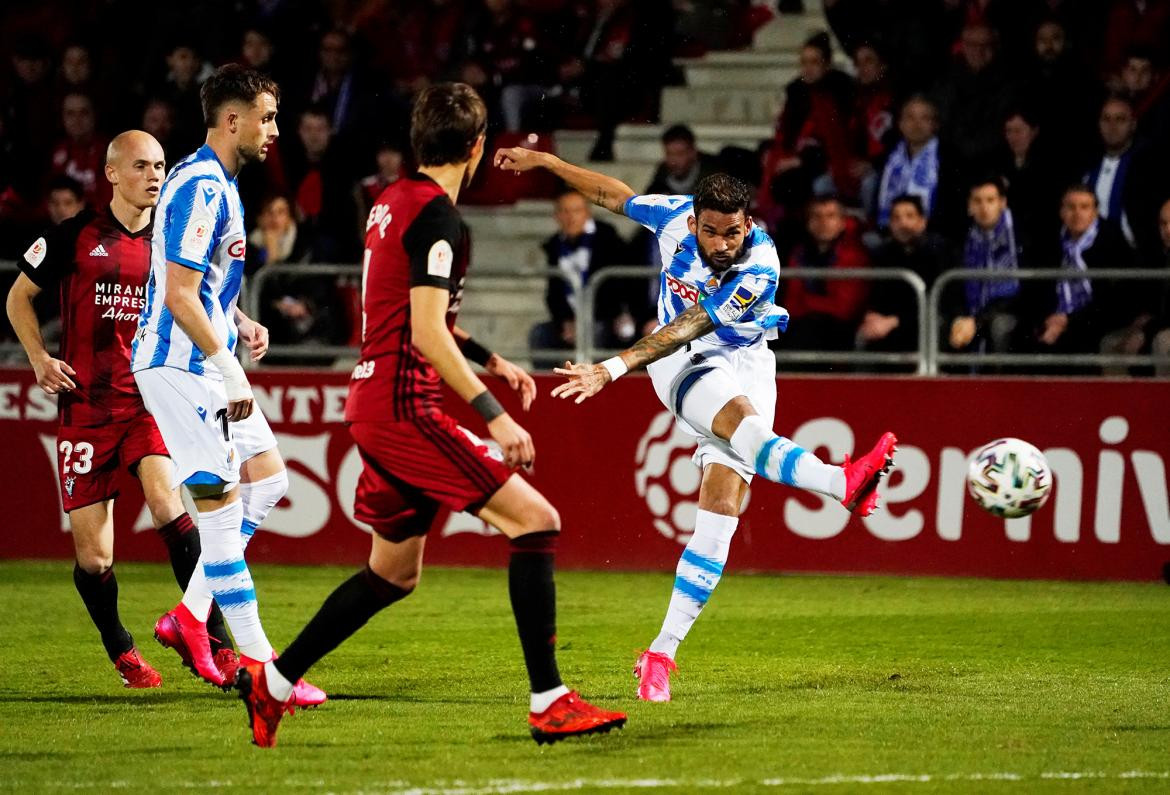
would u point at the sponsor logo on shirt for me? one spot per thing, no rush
(36, 253)
(684, 291)
(237, 248)
(99, 251)
(734, 307)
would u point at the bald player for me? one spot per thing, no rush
(99, 261)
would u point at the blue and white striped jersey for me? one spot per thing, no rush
(199, 224)
(740, 301)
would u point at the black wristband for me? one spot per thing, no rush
(474, 352)
(486, 404)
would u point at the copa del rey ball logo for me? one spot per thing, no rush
(667, 479)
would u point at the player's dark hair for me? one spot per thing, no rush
(65, 182)
(1079, 187)
(233, 83)
(723, 194)
(678, 132)
(446, 121)
(913, 201)
(994, 180)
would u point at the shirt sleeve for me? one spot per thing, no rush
(431, 243)
(52, 255)
(192, 223)
(653, 209)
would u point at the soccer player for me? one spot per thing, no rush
(98, 260)
(416, 459)
(712, 369)
(185, 364)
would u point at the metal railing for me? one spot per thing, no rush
(935, 357)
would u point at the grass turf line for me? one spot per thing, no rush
(796, 681)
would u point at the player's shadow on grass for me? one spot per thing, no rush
(1130, 727)
(136, 699)
(594, 742)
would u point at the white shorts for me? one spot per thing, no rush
(698, 380)
(206, 449)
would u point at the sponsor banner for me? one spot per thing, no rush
(620, 473)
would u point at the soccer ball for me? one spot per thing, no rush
(1009, 478)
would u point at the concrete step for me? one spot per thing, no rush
(788, 31)
(713, 105)
(505, 334)
(642, 141)
(701, 74)
(491, 254)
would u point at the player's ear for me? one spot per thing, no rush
(747, 223)
(111, 174)
(692, 225)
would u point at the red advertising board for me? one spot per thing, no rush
(620, 474)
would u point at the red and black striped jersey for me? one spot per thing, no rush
(414, 238)
(100, 269)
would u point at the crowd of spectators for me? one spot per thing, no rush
(980, 133)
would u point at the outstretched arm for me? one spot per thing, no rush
(603, 191)
(586, 380)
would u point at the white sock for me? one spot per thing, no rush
(539, 702)
(198, 597)
(278, 687)
(699, 571)
(259, 498)
(781, 460)
(229, 579)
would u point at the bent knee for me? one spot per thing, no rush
(541, 517)
(95, 562)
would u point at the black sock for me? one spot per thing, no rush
(182, 540)
(534, 603)
(100, 594)
(347, 610)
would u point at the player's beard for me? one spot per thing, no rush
(249, 153)
(710, 263)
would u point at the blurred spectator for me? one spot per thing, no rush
(427, 36)
(581, 248)
(1031, 176)
(1134, 23)
(812, 137)
(341, 92)
(1076, 313)
(920, 166)
(989, 308)
(682, 165)
(872, 123)
(158, 119)
(81, 154)
(1148, 91)
(1121, 176)
(891, 321)
(186, 71)
(974, 97)
(319, 175)
(825, 312)
(76, 73)
(295, 309)
(908, 31)
(31, 117)
(66, 198)
(389, 159)
(1159, 325)
(256, 51)
(1060, 91)
(505, 61)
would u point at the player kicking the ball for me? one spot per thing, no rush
(99, 261)
(185, 364)
(711, 368)
(416, 459)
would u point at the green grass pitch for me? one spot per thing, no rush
(789, 684)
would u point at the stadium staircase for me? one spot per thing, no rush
(730, 99)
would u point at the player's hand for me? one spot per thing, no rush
(517, 158)
(53, 375)
(514, 441)
(518, 380)
(239, 410)
(585, 380)
(254, 335)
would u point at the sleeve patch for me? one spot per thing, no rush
(36, 252)
(739, 302)
(439, 259)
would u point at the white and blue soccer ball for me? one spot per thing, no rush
(1009, 478)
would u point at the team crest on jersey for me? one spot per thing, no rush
(69, 481)
(36, 252)
(712, 284)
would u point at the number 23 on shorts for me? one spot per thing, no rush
(76, 457)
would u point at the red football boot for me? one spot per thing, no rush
(264, 711)
(227, 663)
(135, 671)
(305, 695)
(653, 670)
(572, 716)
(863, 475)
(179, 630)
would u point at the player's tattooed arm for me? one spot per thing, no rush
(607, 192)
(586, 380)
(691, 324)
